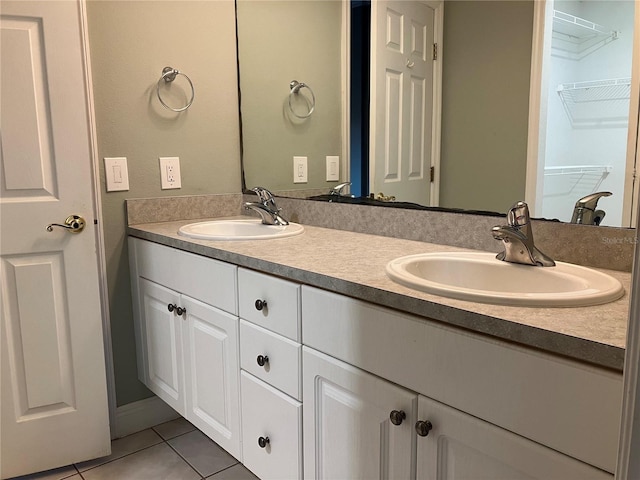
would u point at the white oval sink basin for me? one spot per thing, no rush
(238, 229)
(480, 277)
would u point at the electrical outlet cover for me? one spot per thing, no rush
(170, 173)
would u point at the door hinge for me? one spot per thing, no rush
(435, 51)
(432, 173)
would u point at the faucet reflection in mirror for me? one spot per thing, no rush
(517, 237)
(585, 210)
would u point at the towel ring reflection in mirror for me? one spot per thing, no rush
(295, 87)
(169, 74)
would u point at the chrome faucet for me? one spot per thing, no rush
(585, 211)
(266, 207)
(517, 237)
(337, 190)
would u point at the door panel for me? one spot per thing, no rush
(27, 143)
(164, 343)
(401, 99)
(42, 379)
(53, 374)
(212, 373)
(464, 447)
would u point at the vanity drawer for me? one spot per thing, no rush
(208, 280)
(282, 370)
(281, 314)
(554, 401)
(269, 413)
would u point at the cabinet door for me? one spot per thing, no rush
(347, 428)
(163, 332)
(460, 446)
(212, 373)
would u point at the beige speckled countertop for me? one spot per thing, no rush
(353, 264)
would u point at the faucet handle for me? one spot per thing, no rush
(266, 197)
(337, 190)
(591, 201)
(518, 214)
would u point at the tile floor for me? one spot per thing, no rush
(174, 450)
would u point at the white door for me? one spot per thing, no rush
(460, 446)
(346, 423)
(402, 38)
(54, 401)
(212, 377)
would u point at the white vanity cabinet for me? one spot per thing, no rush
(386, 394)
(271, 385)
(187, 336)
(497, 410)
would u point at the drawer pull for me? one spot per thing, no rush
(171, 307)
(260, 304)
(262, 360)
(397, 417)
(263, 442)
(423, 428)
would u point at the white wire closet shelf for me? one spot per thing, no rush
(598, 102)
(578, 179)
(575, 38)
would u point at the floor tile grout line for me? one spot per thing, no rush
(226, 468)
(179, 435)
(119, 458)
(184, 459)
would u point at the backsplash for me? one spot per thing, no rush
(600, 247)
(188, 207)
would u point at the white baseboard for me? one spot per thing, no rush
(137, 416)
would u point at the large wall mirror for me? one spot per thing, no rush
(372, 107)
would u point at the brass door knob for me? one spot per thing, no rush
(73, 224)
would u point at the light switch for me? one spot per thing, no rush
(299, 169)
(333, 168)
(116, 174)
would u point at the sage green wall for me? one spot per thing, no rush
(280, 41)
(130, 43)
(485, 118)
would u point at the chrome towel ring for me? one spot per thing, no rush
(295, 87)
(169, 74)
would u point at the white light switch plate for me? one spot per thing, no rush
(333, 168)
(116, 174)
(170, 173)
(299, 169)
